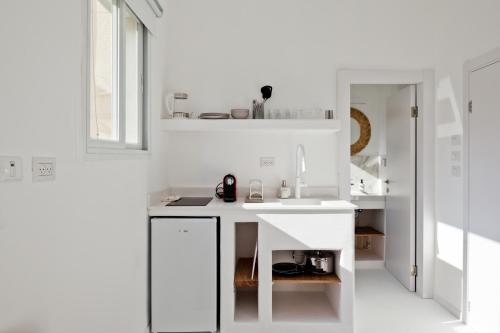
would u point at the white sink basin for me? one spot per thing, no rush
(301, 202)
(358, 193)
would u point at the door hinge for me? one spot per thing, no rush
(413, 270)
(470, 106)
(414, 111)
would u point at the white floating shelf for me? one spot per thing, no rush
(209, 125)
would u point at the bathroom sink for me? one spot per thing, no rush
(358, 193)
(301, 202)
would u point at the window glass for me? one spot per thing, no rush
(133, 71)
(116, 90)
(103, 104)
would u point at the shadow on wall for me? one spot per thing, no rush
(449, 124)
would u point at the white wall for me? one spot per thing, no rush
(457, 43)
(221, 52)
(73, 253)
(198, 160)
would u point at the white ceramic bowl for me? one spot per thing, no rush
(240, 113)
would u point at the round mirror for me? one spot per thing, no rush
(355, 131)
(361, 131)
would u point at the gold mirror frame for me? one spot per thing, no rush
(365, 131)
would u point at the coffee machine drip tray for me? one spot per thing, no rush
(191, 201)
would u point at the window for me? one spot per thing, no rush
(116, 117)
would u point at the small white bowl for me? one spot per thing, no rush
(240, 113)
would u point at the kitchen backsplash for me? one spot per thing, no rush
(201, 160)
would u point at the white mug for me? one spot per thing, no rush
(170, 104)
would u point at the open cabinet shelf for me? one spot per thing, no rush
(243, 274)
(367, 231)
(306, 279)
(303, 307)
(246, 289)
(212, 125)
(370, 238)
(246, 309)
(368, 255)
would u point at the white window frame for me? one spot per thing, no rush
(108, 148)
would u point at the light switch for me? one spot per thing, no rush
(11, 168)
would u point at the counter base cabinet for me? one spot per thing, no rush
(264, 303)
(305, 306)
(246, 309)
(304, 303)
(306, 297)
(246, 298)
(370, 239)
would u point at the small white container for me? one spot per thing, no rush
(285, 191)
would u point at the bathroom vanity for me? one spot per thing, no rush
(273, 230)
(370, 230)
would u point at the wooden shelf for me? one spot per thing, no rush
(306, 279)
(367, 231)
(243, 274)
(213, 125)
(367, 255)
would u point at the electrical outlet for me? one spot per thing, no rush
(11, 168)
(266, 162)
(44, 169)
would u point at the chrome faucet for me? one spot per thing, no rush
(300, 170)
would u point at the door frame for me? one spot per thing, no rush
(470, 66)
(425, 206)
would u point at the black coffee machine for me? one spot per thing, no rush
(226, 190)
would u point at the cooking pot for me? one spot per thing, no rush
(322, 262)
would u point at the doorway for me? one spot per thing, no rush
(413, 265)
(383, 168)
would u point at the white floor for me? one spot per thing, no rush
(383, 305)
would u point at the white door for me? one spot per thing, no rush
(484, 187)
(400, 204)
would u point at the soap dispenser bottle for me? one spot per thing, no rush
(285, 191)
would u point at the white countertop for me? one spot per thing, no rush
(359, 194)
(274, 204)
(368, 200)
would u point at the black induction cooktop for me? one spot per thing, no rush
(191, 201)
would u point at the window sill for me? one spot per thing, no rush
(94, 153)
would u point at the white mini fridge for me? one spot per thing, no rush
(184, 274)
